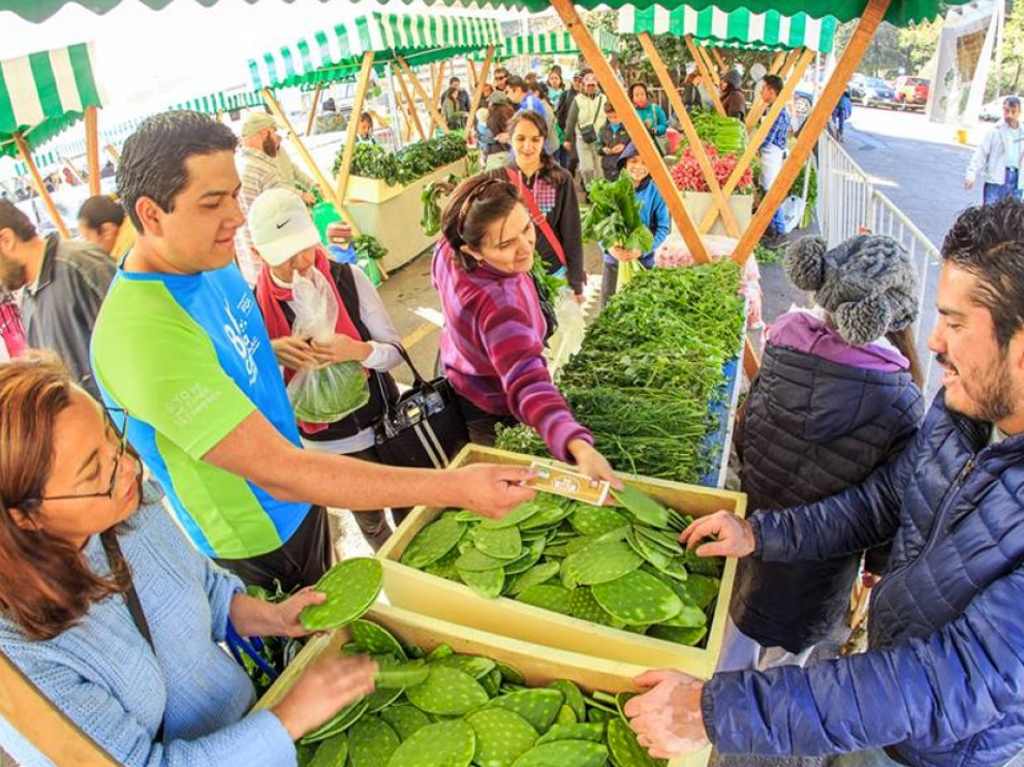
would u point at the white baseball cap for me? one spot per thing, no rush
(281, 226)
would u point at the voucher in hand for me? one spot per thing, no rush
(568, 484)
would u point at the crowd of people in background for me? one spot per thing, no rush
(172, 333)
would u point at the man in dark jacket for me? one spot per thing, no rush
(65, 283)
(943, 681)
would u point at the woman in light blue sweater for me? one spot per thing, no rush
(75, 511)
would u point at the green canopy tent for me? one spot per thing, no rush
(550, 44)
(355, 49)
(222, 101)
(41, 96)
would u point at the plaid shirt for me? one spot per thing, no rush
(259, 172)
(779, 131)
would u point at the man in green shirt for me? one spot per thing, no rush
(181, 346)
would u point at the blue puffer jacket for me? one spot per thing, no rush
(943, 682)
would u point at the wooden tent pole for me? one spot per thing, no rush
(705, 74)
(478, 91)
(410, 103)
(312, 110)
(417, 86)
(635, 128)
(816, 122)
(37, 180)
(92, 148)
(321, 180)
(114, 154)
(758, 106)
(474, 75)
(720, 201)
(719, 60)
(352, 132)
(754, 143)
(43, 725)
(439, 81)
(712, 67)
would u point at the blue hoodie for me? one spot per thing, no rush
(655, 115)
(654, 213)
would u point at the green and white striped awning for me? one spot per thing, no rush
(114, 135)
(213, 103)
(45, 93)
(734, 29)
(551, 44)
(45, 161)
(335, 54)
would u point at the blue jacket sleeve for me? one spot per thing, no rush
(861, 517)
(660, 121)
(661, 220)
(940, 689)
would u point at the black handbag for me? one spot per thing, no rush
(425, 428)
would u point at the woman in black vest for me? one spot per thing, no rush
(289, 244)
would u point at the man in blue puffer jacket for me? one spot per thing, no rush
(943, 682)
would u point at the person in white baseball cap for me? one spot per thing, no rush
(284, 236)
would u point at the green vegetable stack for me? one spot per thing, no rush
(650, 370)
(727, 134)
(445, 709)
(408, 164)
(621, 567)
(431, 196)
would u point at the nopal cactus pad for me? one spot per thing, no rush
(501, 736)
(351, 587)
(443, 744)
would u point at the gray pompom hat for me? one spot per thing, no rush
(867, 284)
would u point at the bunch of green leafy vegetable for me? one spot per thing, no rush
(812, 190)
(430, 198)
(368, 246)
(614, 216)
(651, 369)
(548, 285)
(766, 255)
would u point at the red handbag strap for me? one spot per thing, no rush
(539, 220)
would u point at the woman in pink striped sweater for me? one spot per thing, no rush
(492, 344)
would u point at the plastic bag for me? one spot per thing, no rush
(792, 210)
(327, 394)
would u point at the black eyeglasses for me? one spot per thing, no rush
(115, 416)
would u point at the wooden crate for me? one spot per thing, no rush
(539, 665)
(446, 600)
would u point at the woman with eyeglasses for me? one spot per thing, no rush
(492, 343)
(113, 615)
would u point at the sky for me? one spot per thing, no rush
(148, 59)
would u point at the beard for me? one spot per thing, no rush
(994, 400)
(13, 275)
(270, 146)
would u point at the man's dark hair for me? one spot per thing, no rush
(153, 160)
(515, 81)
(500, 71)
(988, 242)
(538, 88)
(454, 81)
(99, 210)
(774, 82)
(12, 217)
(1013, 102)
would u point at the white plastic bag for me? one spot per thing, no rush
(792, 210)
(327, 394)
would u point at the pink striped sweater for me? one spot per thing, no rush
(492, 347)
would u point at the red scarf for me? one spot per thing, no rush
(270, 296)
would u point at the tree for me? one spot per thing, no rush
(1013, 49)
(919, 44)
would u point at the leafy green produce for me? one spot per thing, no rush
(326, 395)
(727, 134)
(368, 246)
(351, 587)
(615, 566)
(614, 216)
(409, 163)
(450, 720)
(430, 198)
(548, 285)
(650, 370)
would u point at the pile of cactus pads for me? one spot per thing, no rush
(446, 709)
(621, 566)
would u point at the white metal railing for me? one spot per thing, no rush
(849, 204)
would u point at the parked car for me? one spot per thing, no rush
(992, 112)
(911, 92)
(872, 91)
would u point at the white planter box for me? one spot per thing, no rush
(392, 213)
(699, 203)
